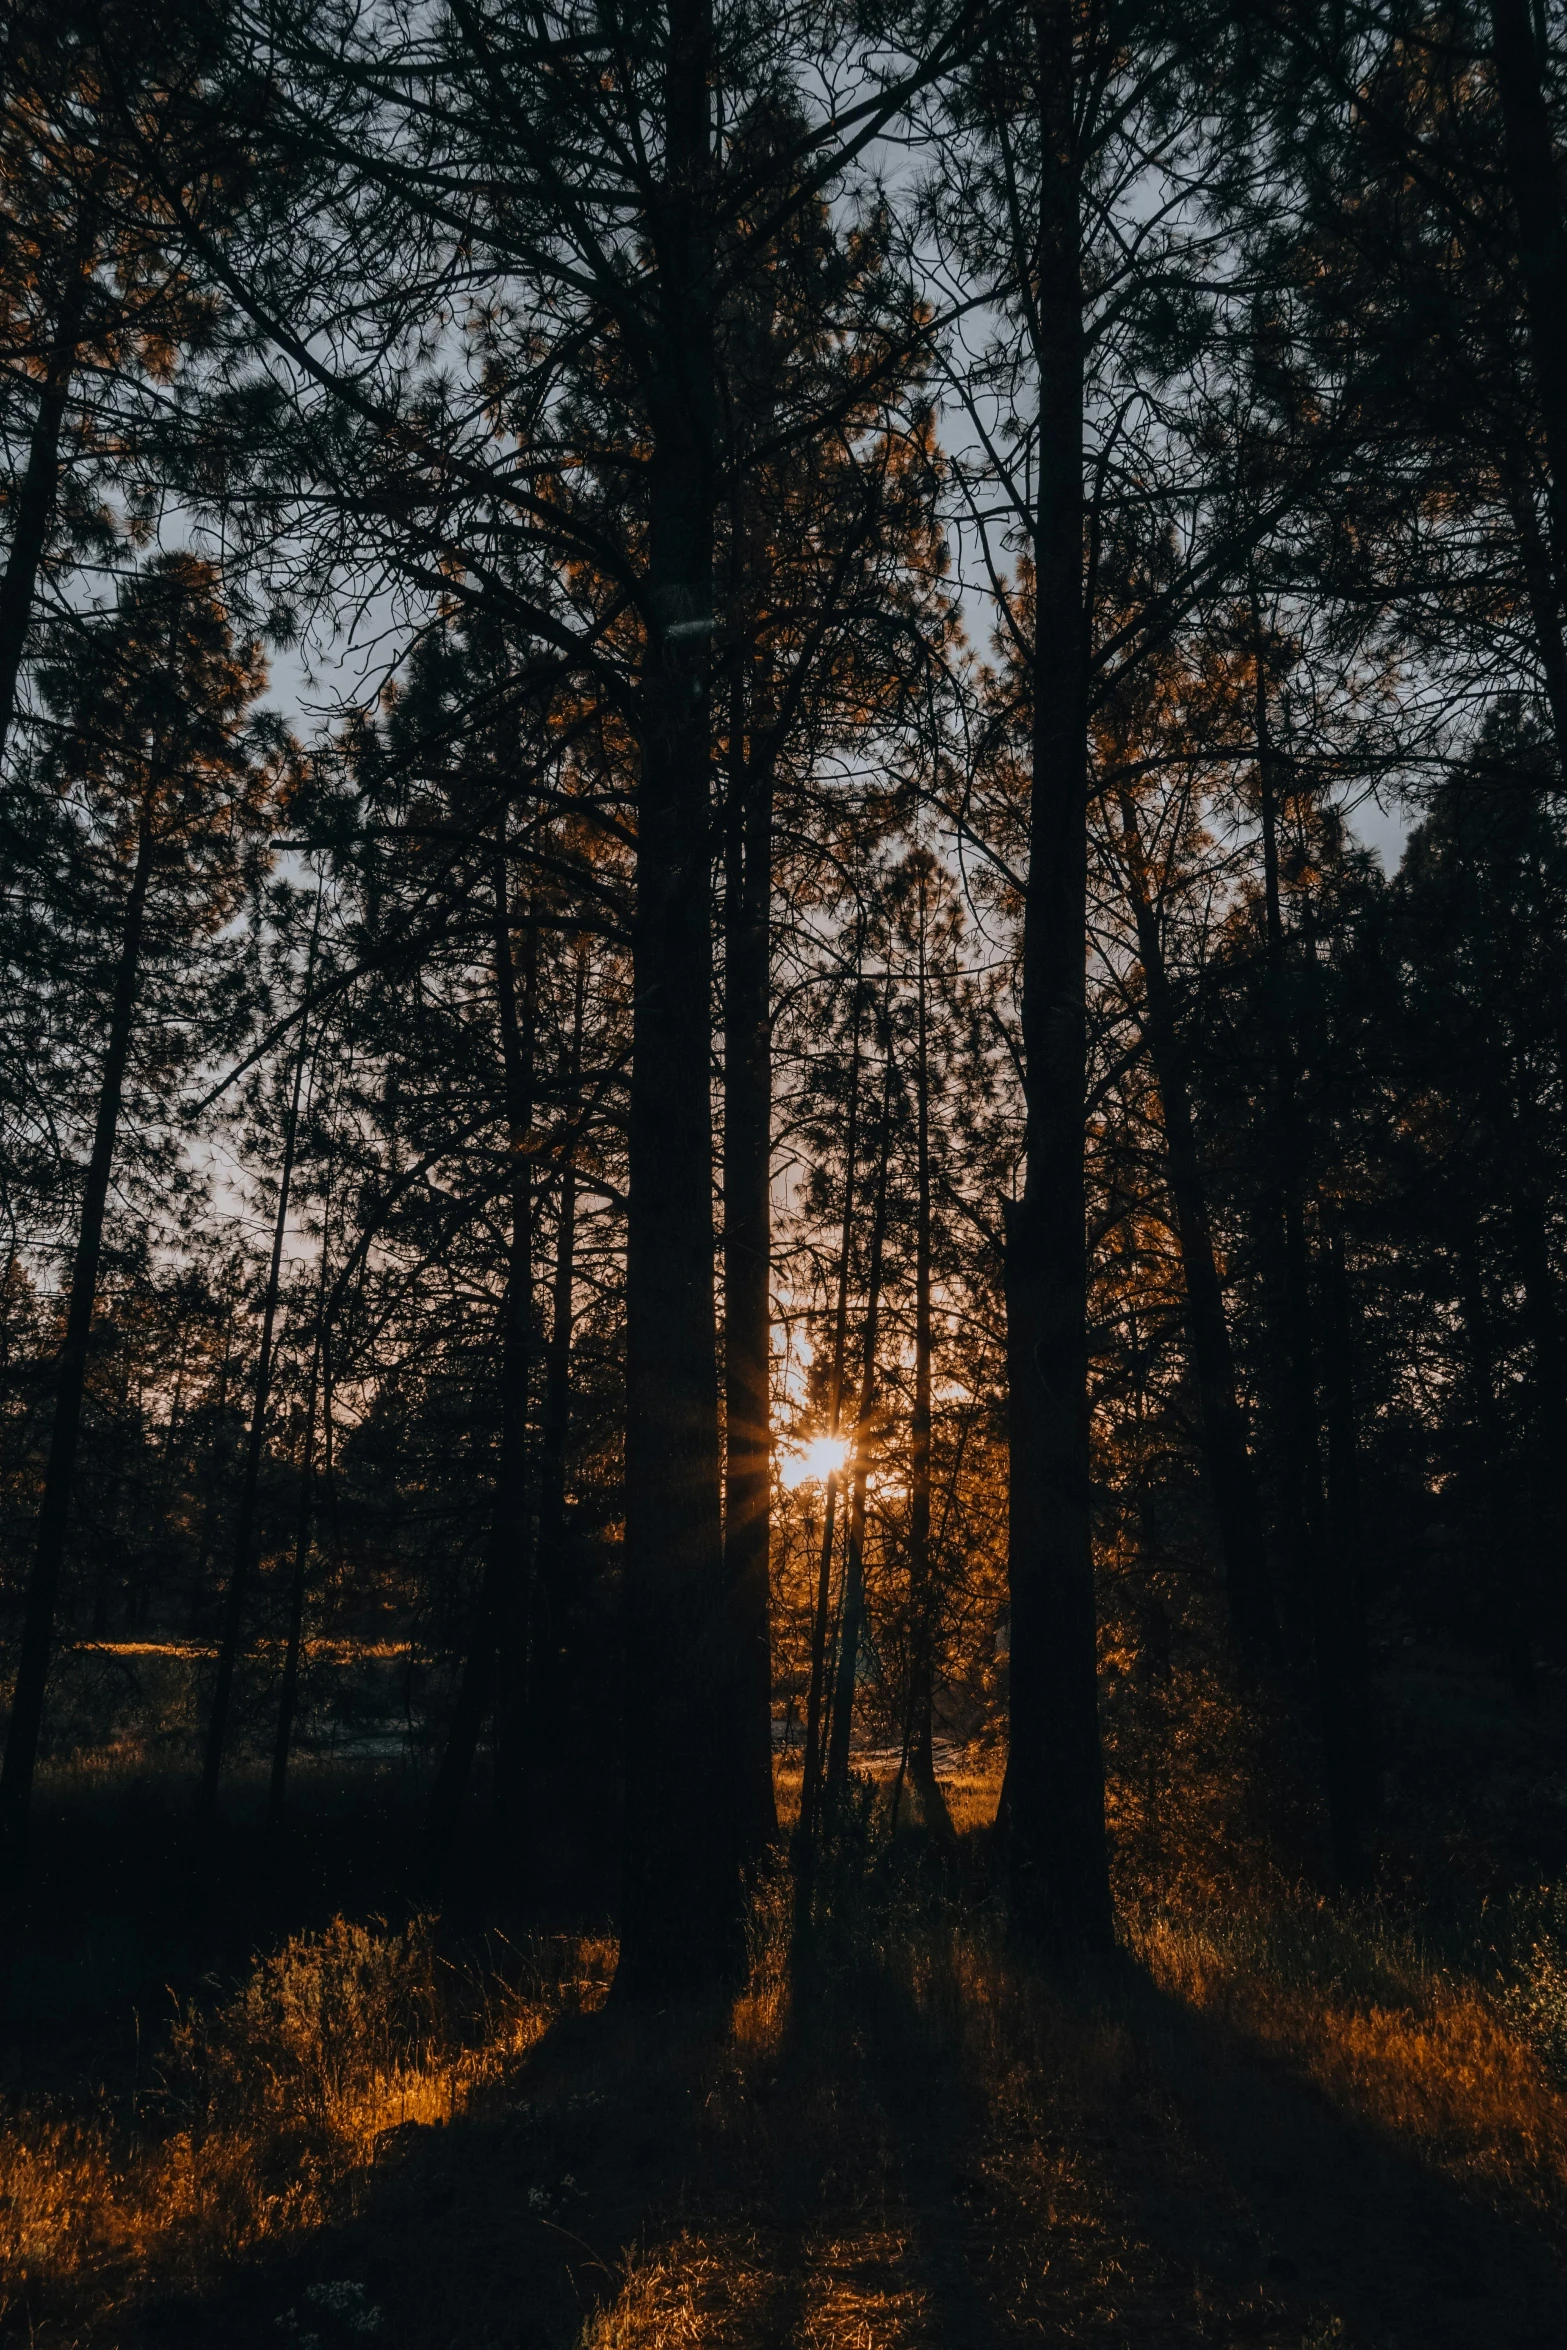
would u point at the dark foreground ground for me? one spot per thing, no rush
(1290, 2127)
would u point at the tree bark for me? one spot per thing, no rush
(1058, 1862)
(288, 1695)
(681, 1902)
(519, 1020)
(43, 1589)
(1534, 182)
(1342, 1662)
(921, 1765)
(810, 1775)
(1506, 1555)
(493, 1677)
(244, 1531)
(556, 1610)
(748, 1265)
(36, 498)
(854, 1532)
(1232, 1480)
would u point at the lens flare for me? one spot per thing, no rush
(814, 1463)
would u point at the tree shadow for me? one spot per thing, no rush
(1327, 2211)
(845, 2175)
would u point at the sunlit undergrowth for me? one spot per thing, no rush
(896, 2104)
(1452, 2053)
(275, 2104)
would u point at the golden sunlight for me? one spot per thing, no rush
(823, 1457)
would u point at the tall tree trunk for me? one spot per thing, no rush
(245, 1524)
(288, 1695)
(36, 497)
(1507, 1564)
(1534, 181)
(1058, 1861)
(922, 1593)
(206, 1549)
(748, 1106)
(494, 1675)
(557, 1599)
(43, 1588)
(810, 1776)
(519, 1034)
(1319, 1574)
(1545, 609)
(1302, 1511)
(1342, 1661)
(854, 1533)
(1232, 1479)
(681, 1899)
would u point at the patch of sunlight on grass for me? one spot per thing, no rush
(275, 2105)
(1413, 2047)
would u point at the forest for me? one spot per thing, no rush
(783, 1174)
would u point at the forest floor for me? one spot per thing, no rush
(1276, 2123)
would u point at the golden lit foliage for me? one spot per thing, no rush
(278, 2104)
(1423, 2055)
(894, 2136)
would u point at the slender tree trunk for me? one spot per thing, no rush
(556, 1595)
(43, 1589)
(494, 1675)
(1342, 1661)
(810, 1777)
(207, 1547)
(1508, 1569)
(922, 1593)
(1302, 1511)
(1545, 610)
(1232, 1479)
(748, 1106)
(854, 1532)
(288, 1695)
(519, 1030)
(681, 1906)
(245, 1526)
(1534, 181)
(1328, 1586)
(1057, 1856)
(36, 498)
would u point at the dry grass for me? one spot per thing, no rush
(902, 2136)
(275, 2106)
(1430, 2058)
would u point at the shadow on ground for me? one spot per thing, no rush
(918, 2146)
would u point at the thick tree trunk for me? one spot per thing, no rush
(681, 1908)
(494, 1674)
(36, 497)
(43, 1589)
(748, 1266)
(1232, 1481)
(1057, 1856)
(245, 1525)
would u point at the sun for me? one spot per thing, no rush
(823, 1457)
